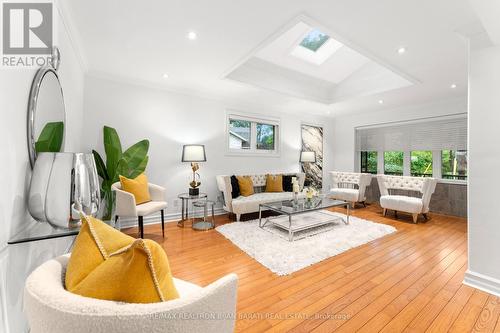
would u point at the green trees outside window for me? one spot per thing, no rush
(265, 136)
(421, 163)
(393, 163)
(454, 164)
(369, 162)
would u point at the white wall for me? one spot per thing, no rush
(17, 261)
(484, 118)
(343, 140)
(170, 120)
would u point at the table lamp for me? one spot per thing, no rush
(194, 154)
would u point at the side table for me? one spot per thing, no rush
(186, 198)
(206, 223)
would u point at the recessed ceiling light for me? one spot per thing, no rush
(165, 76)
(453, 86)
(380, 101)
(402, 50)
(192, 35)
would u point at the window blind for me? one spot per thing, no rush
(436, 134)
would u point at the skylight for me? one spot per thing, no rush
(314, 40)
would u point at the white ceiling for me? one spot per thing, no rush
(343, 75)
(139, 41)
(335, 69)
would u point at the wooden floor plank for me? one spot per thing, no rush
(488, 317)
(410, 280)
(470, 312)
(358, 282)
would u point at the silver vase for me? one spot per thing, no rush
(62, 186)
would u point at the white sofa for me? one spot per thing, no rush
(350, 186)
(393, 196)
(50, 308)
(250, 204)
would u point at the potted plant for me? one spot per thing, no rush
(130, 163)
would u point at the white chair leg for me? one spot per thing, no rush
(238, 216)
(415, 218)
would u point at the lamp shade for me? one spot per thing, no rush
(308, 156)
(193, 153)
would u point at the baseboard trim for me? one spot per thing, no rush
(156, 218)
(482, 282)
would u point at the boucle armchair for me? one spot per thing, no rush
(51, 308)
(126, 206)
(350, 186)
(396, 194)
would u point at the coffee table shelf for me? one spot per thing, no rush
(289, 209)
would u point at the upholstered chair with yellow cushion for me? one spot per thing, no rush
(113, 283)
(138, 201)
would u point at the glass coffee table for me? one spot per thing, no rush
(289, 210)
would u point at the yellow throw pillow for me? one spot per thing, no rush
(95, 241)
(274, 183)
(118, 268)
(138, 187)
(246, 185)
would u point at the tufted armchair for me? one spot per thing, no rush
(406, 194)
(350, 186)
(126, 206)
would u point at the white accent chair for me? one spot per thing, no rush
(350, 186)
(126, 206)
(393, 196)
(51, 308)
(250, 204)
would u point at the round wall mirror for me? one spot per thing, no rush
(46, 114)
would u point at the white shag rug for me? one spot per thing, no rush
(271, 248)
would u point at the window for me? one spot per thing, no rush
(314, 40)
(369, 162)
(247, 135)
(421, 163)
(434, 147)
(393, 163)
(265, 136)
(454, 164)
(239, 134)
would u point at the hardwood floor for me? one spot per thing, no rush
(409, 281)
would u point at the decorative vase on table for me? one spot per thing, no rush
(63, 185)
(296, 189)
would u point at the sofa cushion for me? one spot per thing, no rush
(138, 187)
(235, 187)
(150, 207)
(242, 205)
(402, 203)
(347, 194)
(274, 183)
(106, 264)
(246, 185)
(287, 183)
(94, 243)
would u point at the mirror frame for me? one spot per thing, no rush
(32, 105)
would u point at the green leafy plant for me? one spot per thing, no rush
(51, 138)
(130, 163)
